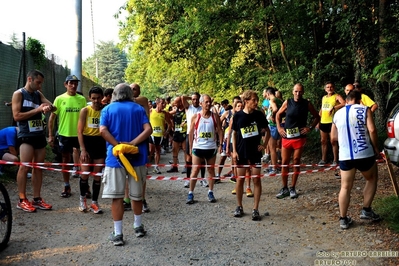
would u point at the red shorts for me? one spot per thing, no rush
(293, 144)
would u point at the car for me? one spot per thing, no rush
(391, 144)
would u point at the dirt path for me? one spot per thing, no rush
(297, 232)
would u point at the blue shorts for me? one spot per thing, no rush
(274, 132)
(362, 165)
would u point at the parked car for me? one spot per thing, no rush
(391, 144)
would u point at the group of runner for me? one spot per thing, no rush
(242, 132)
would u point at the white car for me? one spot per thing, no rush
(391, 144)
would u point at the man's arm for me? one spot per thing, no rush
(279, 119)
(107, 136)
(144, 135)
(17, 106)
(51, 122)
(184, 100)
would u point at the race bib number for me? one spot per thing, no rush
(35, 125)
(93, 122)
(206, 135)
(326, 107)
(249, 131)
(157, 130)
(178, 128)
(292, 132)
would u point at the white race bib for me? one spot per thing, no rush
(35, 125)
(292, 132)
(249, 131)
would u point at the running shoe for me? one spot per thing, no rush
(117, 240)
(293, 194)
(145, 206)
(83, 205)
(239, 212)
(156, 170)
(223, 154)
(284, 192)
(249, 193)
(345, 222)
(265, 158)
(26, 205)
(40, 204)
(173, 170)
(217, 179)
(66, 193)
(255, 215)
(139, 231)
(127, 206)
(95, 208)
(321, 163)
(190, 198)
(187, 184)
(334, 164)
(204, 183)
(371, 215)
(233, 191)
(163, 152)
(75, 175)
(211, 197)
(184, 170)
(233, 180)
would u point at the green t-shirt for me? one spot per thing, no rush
(68, 109)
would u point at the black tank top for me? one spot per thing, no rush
(296, 117)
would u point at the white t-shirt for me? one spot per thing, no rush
(353, 136)
(191, 110)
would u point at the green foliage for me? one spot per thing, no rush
(37, 50)
(109, 62)
(225, 47)
(388, 72)
(388, 208)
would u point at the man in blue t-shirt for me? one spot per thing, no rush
(8, 145)
(124, 121)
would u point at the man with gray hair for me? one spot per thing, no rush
(124, 121)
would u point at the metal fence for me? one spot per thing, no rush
(13, 72)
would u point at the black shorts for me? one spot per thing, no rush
(250, 161)
(205, 154)
(362, 165)
(157, 141)
(37, 142)
(95, 147)
(68, 143)
(2, 152)
(326, 128)
(179, 137)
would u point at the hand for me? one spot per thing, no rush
(51, 141)
(84, 156)
(282, 132)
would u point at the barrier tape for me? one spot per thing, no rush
(44, 166)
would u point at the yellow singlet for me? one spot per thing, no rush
(157, 121)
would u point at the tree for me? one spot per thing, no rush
(14, 42)
(107, 65)
(37, 50)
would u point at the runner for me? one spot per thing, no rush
(92, 147)
(68, 107)
(28, 104)
(205, 130)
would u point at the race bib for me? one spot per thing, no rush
(292, 132)
(35, 125)
(156, 130)
(178, 128)
(206, 135)
(249, 131)
(93, 122)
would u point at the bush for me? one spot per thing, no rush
(388, 208)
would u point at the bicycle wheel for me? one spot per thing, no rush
(5, 217)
